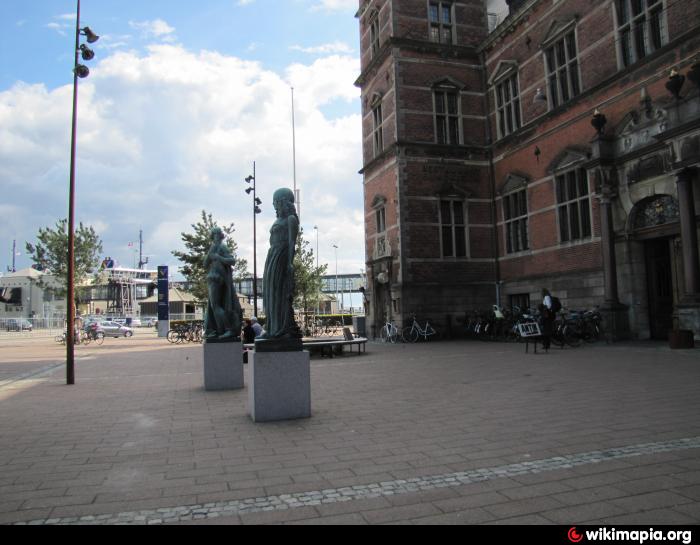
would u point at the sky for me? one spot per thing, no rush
(182, 98)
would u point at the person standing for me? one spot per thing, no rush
(547, 318)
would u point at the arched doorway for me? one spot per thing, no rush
(655, 223)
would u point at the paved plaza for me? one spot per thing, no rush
(452, 432)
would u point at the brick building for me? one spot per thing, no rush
(509, 148)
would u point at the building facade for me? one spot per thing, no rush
(508, 148)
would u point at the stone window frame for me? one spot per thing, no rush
(374, 33)
(566, 203)
(455, 229)
(437, 27)
(515, 189)
(377, 125)
(627, 32)
(507, 121)
(443, 121)
(560, 40)
(516, 222)
(380, 218)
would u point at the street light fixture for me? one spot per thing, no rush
(79, 71)
(256, 210)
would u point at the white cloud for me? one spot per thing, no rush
(167, 133)
(335, 47)
(336, 5)
(157, 28)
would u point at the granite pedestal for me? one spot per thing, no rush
(279, 386)
(223, 366)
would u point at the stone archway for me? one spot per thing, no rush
(654, 225)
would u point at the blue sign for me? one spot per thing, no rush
(163, 294)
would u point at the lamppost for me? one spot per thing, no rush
(79, 71)
(318, 301)
(256, 210)
(336, 273)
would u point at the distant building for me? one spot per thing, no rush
(24, 294)
(485, 179)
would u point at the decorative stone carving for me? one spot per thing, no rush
(655, 211)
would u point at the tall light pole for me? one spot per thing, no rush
(79, 71)
(318, 301)
(336, 271)
(256, 210)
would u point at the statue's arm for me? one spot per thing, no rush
(293, 225)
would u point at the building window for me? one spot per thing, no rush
(441, 22)
(447, 116)
(573, 205)
(562, 70)
(381, 220)
(520, 301)
(453, 229)
(640, 28)
(374, 35)
(515, 215)
(508, 105)
(377, 132)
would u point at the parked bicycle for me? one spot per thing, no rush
(188, 333)
(412, 333)
(389, 333)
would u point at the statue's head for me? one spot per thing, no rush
(216, 234)
(283, 201)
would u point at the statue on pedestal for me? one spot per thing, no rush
(278, 292)
(224, 316)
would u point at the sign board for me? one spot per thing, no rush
(163, 295)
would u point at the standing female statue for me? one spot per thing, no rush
(278, 293)
(223, 317)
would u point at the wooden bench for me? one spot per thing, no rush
(530, 333)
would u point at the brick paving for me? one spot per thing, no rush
(456, 432)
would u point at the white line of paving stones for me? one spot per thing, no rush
(368, 491)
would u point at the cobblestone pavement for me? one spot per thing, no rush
(455, 432)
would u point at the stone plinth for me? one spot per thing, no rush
(279, 386)
(688, 311)
(223, 366)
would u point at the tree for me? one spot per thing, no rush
(197, 245)
(50, 254)
(308, 278)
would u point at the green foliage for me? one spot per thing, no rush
(308, 278)
(50, 254)
(197, 245)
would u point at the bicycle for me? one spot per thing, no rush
(413, 332)
(389, 333)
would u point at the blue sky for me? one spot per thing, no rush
(182, 97)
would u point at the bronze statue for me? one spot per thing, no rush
(224, 316)
(278, 292)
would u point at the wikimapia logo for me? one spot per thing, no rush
(635, 536)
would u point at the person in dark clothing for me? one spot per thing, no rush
(248, 332)
(547, 318)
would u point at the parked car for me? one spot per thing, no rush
(115, 329)
(150, 322)
(19, 324)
